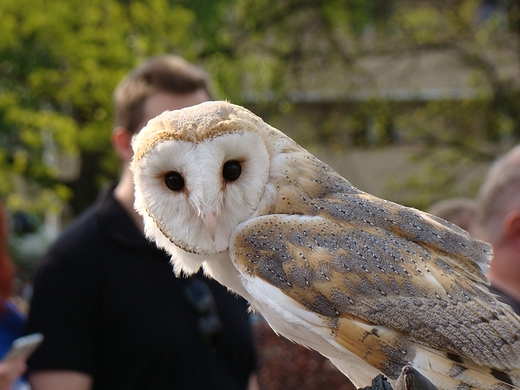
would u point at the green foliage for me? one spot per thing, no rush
(444, 173)
(60, 61)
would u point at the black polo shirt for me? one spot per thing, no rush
(109, 305)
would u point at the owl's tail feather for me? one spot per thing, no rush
(379, 348)
(448, 370)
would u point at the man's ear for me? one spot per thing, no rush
(512, 226)
(122, 142)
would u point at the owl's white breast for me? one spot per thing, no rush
(290, 319)
(296, 323)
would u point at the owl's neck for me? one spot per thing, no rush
(221, 269)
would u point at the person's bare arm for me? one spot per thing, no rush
(60, 380)
(9, 371)
(253, 382)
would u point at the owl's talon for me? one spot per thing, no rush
(411, 379)
(378, 383)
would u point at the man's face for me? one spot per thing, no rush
(163, 101)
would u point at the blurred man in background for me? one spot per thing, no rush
(113, 314)
(460, 211)
(498, 222)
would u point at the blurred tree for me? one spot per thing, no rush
(481, 38)
(59, 63)
(362, 55)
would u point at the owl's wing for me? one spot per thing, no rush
(391, 291)
(434, 235)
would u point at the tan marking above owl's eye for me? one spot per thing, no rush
(231, 170)
(174, 181)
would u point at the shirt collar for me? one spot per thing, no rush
(118, 223)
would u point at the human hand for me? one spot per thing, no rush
(10, 371)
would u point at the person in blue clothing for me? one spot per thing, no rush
(12, 320)
(12, 323)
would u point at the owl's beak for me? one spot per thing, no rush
(210, 221)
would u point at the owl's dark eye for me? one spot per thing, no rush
(231, 170)
(174, 181)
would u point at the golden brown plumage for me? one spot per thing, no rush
(371, 284)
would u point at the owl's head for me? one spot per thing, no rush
(199, 172)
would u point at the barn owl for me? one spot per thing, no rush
(372, 285)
